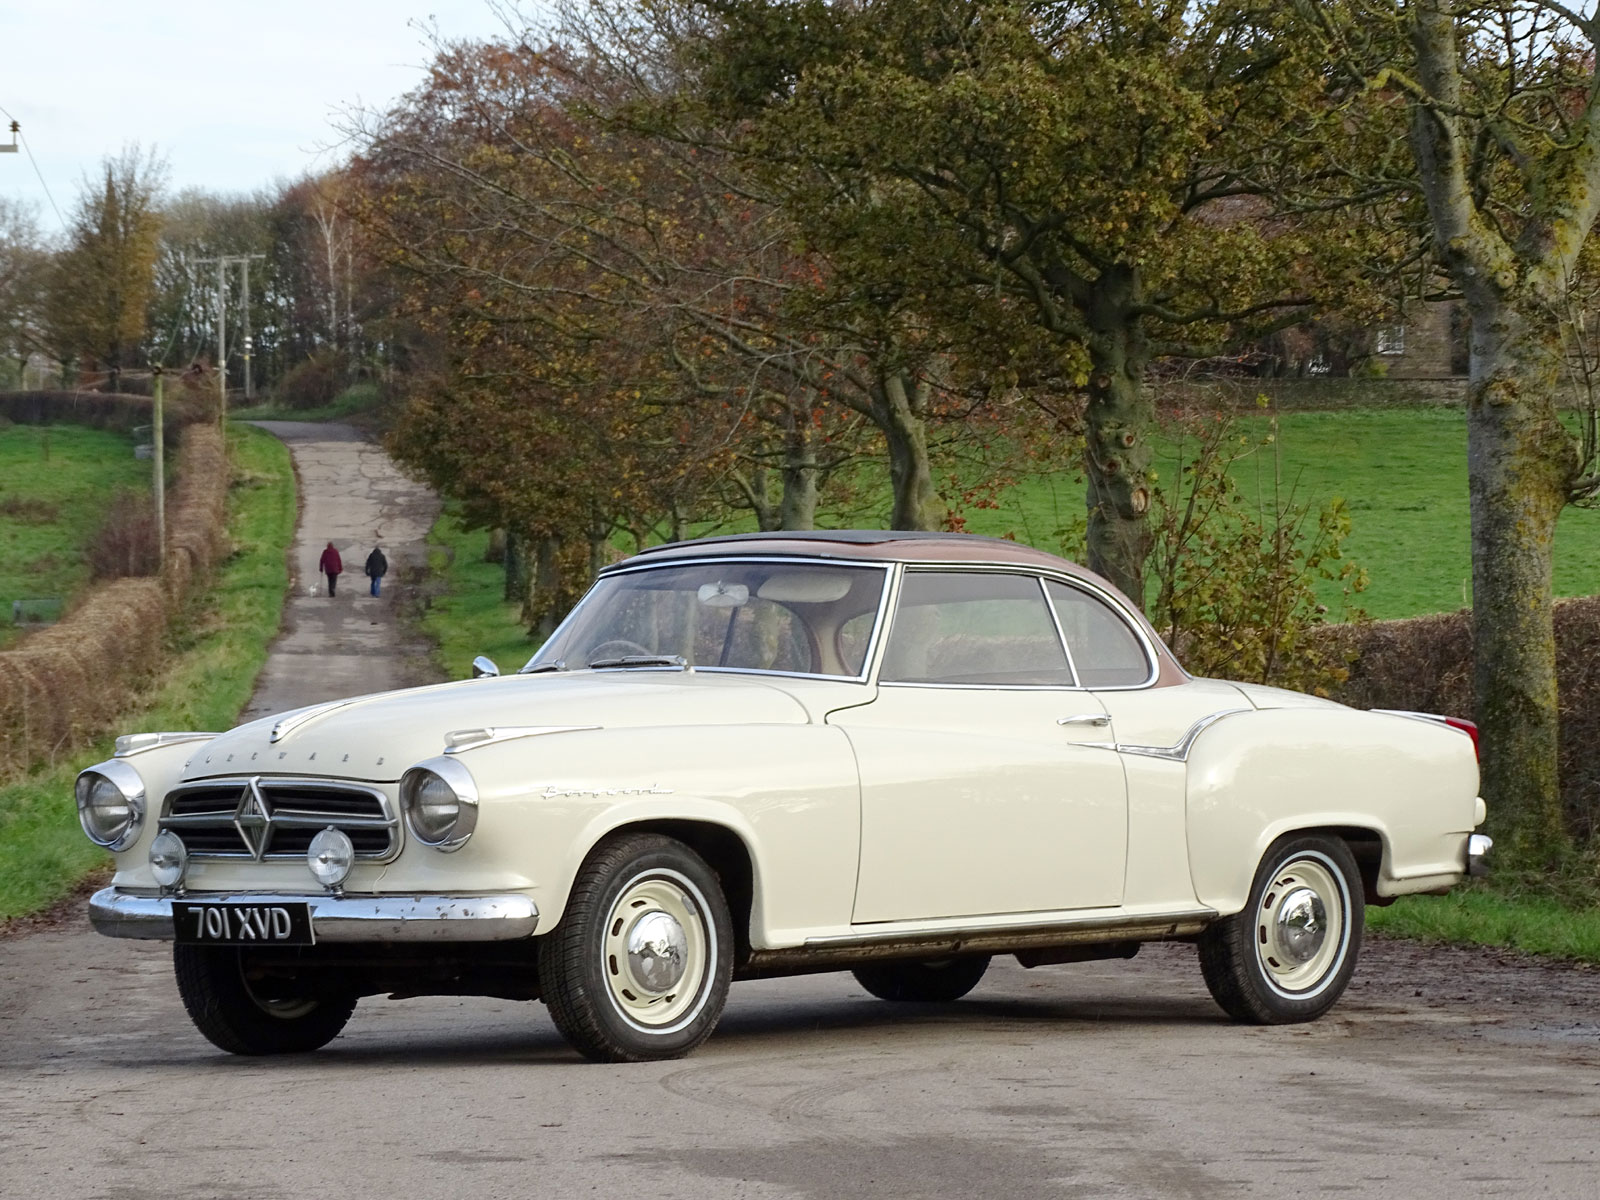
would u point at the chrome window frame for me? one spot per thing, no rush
(1151, 655)
(392, 819)
(1039, 574)
(868, 663)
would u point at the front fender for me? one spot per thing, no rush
(788, 792)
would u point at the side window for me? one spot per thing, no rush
(974, 627)
(1104, 650)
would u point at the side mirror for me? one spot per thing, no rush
(483, 667)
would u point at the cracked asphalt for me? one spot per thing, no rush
(1443, 1073)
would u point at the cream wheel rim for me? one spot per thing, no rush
(657, 952)
(1302, 926)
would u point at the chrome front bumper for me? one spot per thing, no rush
(408, 918)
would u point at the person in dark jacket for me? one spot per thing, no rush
(377, 568)
(332, 566)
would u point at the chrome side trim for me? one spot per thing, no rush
(459, 741)
(293, 721)
(973, 927)
(1180, 751)
(130, 744)
(964, 936)
(348, 918)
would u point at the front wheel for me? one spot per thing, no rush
(932, 981)
(638, 968)
(242, 1017)
(1289, 955)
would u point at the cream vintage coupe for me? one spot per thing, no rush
(749, 756)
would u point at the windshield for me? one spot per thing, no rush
(797, 617)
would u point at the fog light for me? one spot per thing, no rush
(330, 857)
(169, 859)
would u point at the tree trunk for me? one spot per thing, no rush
(514, 561)
(1116, 445)
(897, 410)
(1520, 461)
(541, 610)
(495, 551)
(798, 507)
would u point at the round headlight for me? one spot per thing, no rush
(169, 858)
(110, 804)
(440, 802)
(330, 857)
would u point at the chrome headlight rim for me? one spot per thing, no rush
(455, 776)
(126, 780)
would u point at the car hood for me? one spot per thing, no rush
(377, 737)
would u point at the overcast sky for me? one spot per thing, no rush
(234, 95)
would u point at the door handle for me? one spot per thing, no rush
(1097, 720)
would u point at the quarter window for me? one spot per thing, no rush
(974, 627)
(1105, 651)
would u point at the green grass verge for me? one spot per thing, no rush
(216, 654)
(55, 482)
(354, 400)
(1479, 916)
(468, 617)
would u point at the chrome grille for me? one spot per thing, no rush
(265, 818)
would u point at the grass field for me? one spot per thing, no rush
(208, 680)
(1403, 474)
(55, 485)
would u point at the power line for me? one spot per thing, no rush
(35, 163)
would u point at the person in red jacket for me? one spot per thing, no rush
(332, 566)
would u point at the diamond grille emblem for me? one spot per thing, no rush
(252, 819)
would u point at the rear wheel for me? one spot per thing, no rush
(638, 968)
(934, 980)
(1289, 955)
(242, 1017)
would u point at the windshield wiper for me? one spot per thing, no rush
(559, 665)
(644, 660)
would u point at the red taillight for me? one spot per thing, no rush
(1467, 727)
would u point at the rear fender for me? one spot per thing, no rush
(1258, 776)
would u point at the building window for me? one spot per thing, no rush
(1391, 339)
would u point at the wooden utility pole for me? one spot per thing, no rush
(244, 306)
(158, 441)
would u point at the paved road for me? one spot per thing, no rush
(350, 494)
(1443, 1074)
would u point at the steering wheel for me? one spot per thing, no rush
(617, 648)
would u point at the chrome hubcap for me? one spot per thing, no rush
(659, 948)
(1302, 925)
(658, 951)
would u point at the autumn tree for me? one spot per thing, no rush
(1131, 178)
(100, 285)
(23, 261)
(1503, 106)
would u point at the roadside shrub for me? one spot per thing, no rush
(1233, 579)
(1425, 664)
(316, 382)
(126, 544)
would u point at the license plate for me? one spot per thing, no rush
(242, 924)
